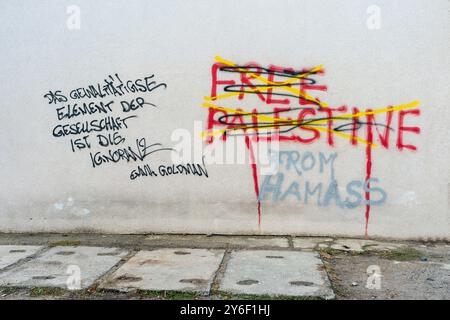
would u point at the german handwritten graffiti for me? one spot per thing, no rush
(164, 171)
(96, 117)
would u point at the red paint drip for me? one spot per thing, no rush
(255, 176)
(368, 173)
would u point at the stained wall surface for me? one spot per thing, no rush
(236, 117)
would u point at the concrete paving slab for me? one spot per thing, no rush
(358, 245)
(10, 254)
(216, 241)
(311, 243)
(64, 267)
(250, 242)
(190, 270)
(268, 272)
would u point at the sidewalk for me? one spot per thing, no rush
(86, 266)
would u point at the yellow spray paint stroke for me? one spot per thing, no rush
(296, 122)
(275, 126)
(410, 105)
(245, 69)
(285, 85)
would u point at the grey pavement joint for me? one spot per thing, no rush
(11, 254)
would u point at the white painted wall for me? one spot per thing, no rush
(45, 187)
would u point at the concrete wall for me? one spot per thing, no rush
(321, 67)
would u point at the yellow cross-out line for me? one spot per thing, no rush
(295, 122)
(262, 117)
(285, 85)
